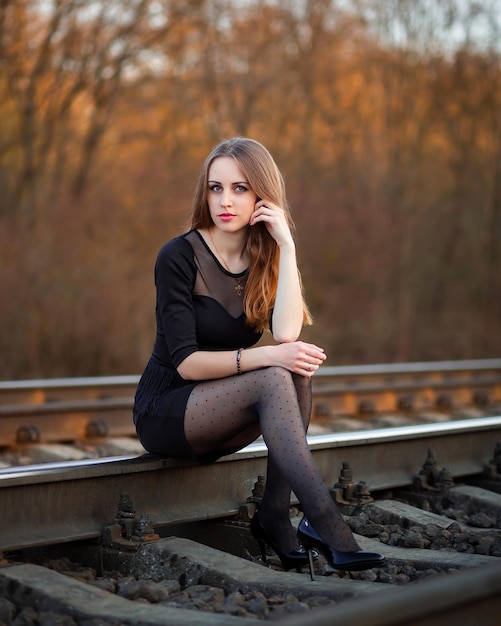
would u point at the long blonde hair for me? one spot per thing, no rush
(265, 179)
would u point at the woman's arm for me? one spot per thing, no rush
(296, 356)
(287, 318)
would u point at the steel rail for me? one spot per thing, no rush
(47, 504)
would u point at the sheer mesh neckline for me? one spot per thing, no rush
(215, 281)
(221, 266)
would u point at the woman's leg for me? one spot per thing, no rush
(223, 411)
(274, 508)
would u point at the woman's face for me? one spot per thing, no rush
(229, 196)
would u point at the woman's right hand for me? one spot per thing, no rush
(299, 357)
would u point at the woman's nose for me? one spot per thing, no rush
(226, 198)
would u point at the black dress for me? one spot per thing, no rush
(199, 306)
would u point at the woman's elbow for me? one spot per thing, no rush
(286, 329)
(285, 337)
(185, 370)
(184, 373)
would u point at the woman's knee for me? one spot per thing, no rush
(280, 378)
(271, 379)
(278, 372)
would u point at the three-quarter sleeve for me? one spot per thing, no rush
(175, 273)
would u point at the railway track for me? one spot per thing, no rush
(441, 426)
(52, 503)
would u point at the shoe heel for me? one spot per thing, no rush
(262, 547)
(310, 563)
(295, 559)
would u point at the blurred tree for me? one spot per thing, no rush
(65, 64)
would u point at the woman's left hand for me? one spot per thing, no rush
(274, 218)
(298, 357)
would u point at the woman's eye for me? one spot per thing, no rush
(217, 188)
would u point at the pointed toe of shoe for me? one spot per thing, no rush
(356, 560)
(349, 561)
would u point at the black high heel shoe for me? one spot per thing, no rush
(354, 560)
(295, 559)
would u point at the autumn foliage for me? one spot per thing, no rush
(384, 117)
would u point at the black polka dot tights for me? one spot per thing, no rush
(227, 414)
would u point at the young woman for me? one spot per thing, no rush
(206, 391)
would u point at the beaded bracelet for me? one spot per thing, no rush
(239, 354)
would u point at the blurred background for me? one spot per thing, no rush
(384, 116)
